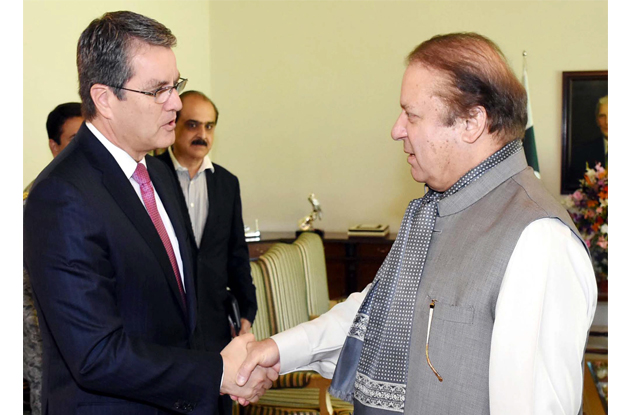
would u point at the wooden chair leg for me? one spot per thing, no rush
(325, 404)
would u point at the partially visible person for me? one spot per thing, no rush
(596, 150)
(601, 114)
(213, 200)
(484, 303)
(62, 125)
(107, 249)
(32, 347)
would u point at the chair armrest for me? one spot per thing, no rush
(308, 379)
(293, 380)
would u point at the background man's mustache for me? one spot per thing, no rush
(200, 142)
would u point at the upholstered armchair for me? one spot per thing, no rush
(313, 258)
(264, 323)
(282, 294)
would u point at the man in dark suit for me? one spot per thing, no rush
(212, 197)
(106, 247)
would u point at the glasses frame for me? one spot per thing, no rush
(178, 86)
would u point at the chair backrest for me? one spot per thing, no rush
(263, 326)
(314, 259)
(287, 283)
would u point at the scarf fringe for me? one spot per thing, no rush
(346, 396)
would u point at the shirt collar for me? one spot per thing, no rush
(125, 161)
(206, 163)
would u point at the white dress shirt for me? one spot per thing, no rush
(195, 193)
(128, 166)
(539, 334)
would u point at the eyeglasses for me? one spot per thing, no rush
(162, 94)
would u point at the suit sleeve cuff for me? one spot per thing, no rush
(249, 316)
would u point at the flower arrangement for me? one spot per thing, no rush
(588, 208)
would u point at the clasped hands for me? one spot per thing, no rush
(250, 367)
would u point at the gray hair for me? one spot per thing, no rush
(105, 49)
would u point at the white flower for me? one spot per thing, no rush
(568, 202)
(604, 228)
(591, 173)
(604, 202)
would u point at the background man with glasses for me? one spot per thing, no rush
(106, 247)
(213, 200)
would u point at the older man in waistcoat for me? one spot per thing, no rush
(484, 302)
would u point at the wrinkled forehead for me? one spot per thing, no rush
(421, 82)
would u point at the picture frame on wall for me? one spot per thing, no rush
(584, 130)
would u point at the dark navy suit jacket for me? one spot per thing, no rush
(116, 337)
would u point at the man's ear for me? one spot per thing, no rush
(474, 125)
(54, 147)
(102, 96)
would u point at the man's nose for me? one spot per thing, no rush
(398, 131)
(173, 103)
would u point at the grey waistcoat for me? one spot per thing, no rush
(474, 237)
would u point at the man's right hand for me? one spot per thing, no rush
(264, 353)
(260, 355)
(258, 380)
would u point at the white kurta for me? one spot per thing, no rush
(539, 334)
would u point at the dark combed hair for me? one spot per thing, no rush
(201, 95)
(478, 74)
(105, 48)
(57, 118)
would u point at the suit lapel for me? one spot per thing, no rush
(165, 158)
(213, 206)
(118, 185)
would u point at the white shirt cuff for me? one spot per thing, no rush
(294, 340)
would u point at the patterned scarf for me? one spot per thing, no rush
(373, 365)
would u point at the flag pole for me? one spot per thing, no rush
(524, 60)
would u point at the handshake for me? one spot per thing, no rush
(250, 367)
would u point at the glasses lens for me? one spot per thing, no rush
(162, 95)
(180, 86)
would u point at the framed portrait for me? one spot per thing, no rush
(584, 125)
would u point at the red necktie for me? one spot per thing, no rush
(142, 177)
